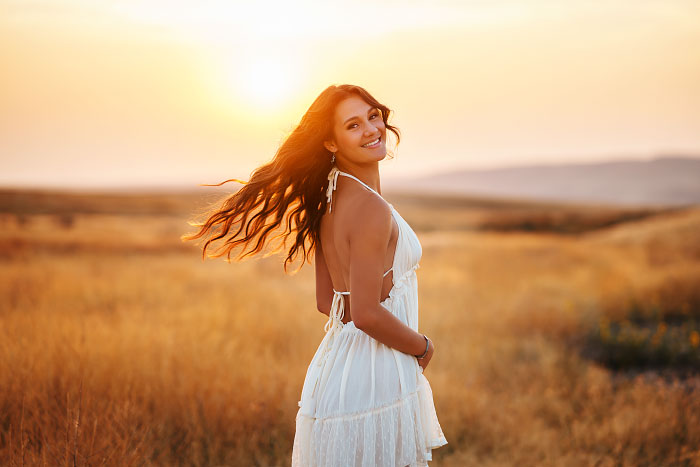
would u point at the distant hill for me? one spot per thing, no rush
(659, 181)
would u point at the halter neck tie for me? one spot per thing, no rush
(332, 183)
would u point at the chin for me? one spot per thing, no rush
(368, 160)
(376, 156)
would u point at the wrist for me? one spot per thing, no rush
(427, 345)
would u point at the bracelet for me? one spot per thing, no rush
(427, 344)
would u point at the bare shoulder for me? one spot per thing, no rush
(367, 215)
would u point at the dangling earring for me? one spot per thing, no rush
(333, 159)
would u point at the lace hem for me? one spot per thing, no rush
(392, 435)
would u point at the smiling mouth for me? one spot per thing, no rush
(373, 144)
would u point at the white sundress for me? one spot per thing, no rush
(364, 403)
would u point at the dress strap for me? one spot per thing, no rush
(363, 183)
(348, 293)
(333, 183)
(335, 316)
(334, 323)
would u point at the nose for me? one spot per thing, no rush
(371, 129)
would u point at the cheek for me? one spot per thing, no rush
(349, 139)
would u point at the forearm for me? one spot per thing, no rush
(391, 331)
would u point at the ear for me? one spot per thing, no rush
(330, 145)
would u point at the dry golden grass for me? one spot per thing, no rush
(119, 346)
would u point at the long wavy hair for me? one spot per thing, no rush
(288, 191)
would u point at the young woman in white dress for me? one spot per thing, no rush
(365, 401)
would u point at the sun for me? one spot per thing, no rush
(264, 82)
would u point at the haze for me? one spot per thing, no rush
(156, 93)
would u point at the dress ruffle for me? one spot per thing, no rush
(390, 435)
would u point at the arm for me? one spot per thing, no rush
(324, 286)
(368, 244)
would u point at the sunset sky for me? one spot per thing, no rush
(157, 93)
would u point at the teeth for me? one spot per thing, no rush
(371, 143)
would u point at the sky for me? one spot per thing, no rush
(172, 93)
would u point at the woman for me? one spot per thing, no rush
(365, 400)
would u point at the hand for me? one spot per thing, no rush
(423, 362)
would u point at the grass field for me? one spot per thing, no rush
(565, 335)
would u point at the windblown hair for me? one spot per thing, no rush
(289, 190)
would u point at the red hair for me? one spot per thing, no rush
(288, 191)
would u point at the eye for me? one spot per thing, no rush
(352, 125)
(374, 115)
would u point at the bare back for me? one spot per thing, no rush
(349, 201)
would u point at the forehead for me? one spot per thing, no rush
(353, 106)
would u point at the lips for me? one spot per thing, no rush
(373, 144)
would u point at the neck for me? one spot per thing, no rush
(368, 173)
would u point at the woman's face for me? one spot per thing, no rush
(359, 132)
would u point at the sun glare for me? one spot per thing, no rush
(263, 82)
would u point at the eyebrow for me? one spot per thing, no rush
(370, 110)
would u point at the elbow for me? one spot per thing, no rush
(363, 322)
(366, 316)
(323, 304)
(322, 308)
